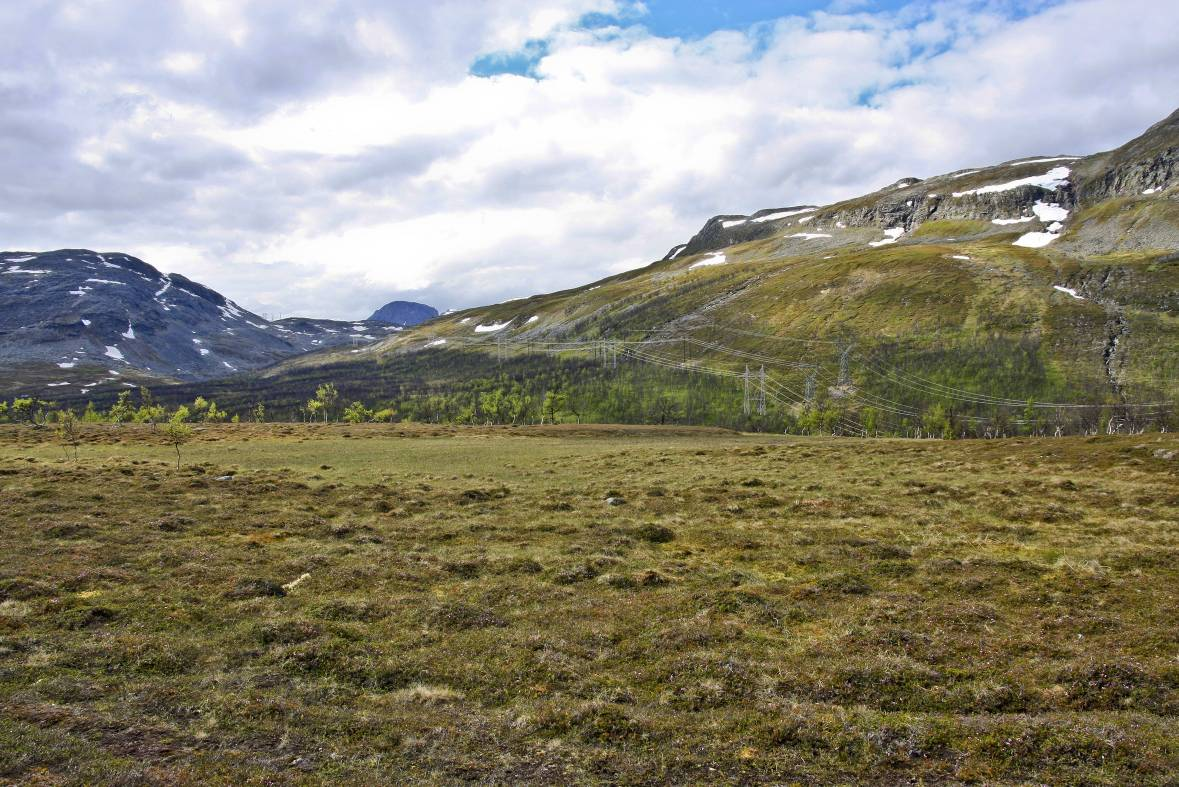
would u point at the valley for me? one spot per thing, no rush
(1038, 296)
(798, 403)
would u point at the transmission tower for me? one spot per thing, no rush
(745, 408)
(844, 377)
(761, 391)
(810, 389)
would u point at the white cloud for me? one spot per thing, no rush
(322, 158)
(184, 62)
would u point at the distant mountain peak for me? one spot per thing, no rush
(405, 313)
(75, 321)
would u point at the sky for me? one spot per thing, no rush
(322, 157)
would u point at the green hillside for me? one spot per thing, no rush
(1037, 296)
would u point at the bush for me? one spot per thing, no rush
(458, 616)
(255, 588)
(287, 632)
(655, 534)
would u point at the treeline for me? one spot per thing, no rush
(468, 388)
(143, 409)
(583, 392)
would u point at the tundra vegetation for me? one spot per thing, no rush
(364, 603)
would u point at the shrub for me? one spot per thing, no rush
(458, 616)
(255, 588)
(655, 534)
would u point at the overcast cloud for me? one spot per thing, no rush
(323, 157)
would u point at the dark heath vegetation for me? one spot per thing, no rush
(304, 603)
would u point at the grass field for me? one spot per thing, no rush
(376, 603)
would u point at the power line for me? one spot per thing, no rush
(641, 350)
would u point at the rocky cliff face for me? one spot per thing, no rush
(1148, 164)
(1039, 197)
(86, 320)
(721, 231)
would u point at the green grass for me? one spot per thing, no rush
(466, 607)
(952, 228)
(916, 294)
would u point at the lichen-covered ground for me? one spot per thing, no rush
(463, 605)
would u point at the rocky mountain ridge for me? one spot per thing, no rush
(82, 320)
(1035, 194)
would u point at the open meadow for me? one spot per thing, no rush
(376, 603)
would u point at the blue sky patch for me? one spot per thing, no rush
(522, 62)
(695, 19)
(688, 19)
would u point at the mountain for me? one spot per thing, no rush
(404, 313)
(1052, 278)
(1043, 290)
(76, 321)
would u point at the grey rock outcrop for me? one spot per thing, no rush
(728, 230)
(1024, 195)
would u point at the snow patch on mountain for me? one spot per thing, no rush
(716, 258)
(1036, 240)
(894, 234)
(230, 309)
(1049, 181)
(783, 214)
(1049, 211)
(1044, 160)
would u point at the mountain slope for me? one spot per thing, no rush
(1052, 277)
(77, 319)
(1040, 291)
